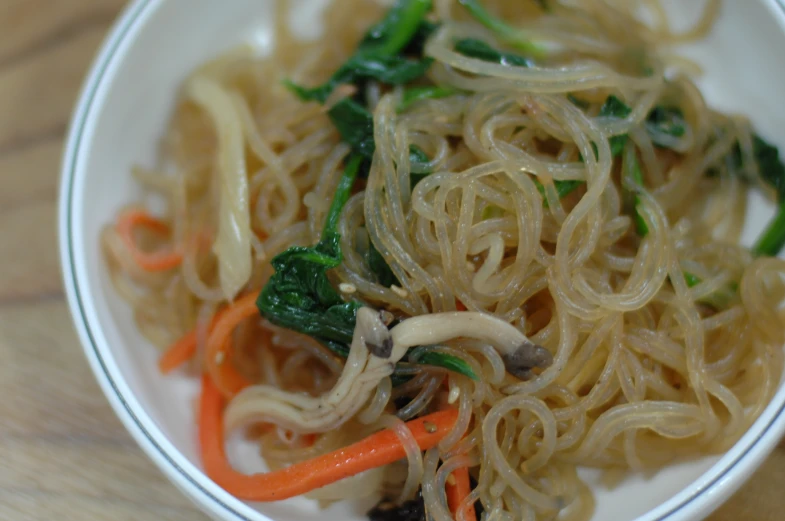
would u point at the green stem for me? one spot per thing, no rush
(773, 238)
(414, 94)
(633, 183)
(720, 299)
(398, 27)
(511, 35)
(342, 193)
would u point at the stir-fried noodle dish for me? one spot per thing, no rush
(447, 253)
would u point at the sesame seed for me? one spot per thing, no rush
(399, 291)
(309, 200)
(386, 317)
(451, 480)
(429, 427)
(345, 287)
(219, 357)
(455, 392)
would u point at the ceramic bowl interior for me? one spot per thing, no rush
(125, 106)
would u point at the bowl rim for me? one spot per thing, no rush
(699, 498)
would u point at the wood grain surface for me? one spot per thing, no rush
(63, 454)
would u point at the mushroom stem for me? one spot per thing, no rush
(373, 354)
(519, 353)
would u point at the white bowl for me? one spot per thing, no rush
(124, 106)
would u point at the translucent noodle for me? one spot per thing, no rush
(665, 344)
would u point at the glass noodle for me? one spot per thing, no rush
(646, 365)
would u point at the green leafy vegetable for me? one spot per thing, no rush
(342, 192)
(511, 35)
(691, 279)
(403, 22)
(720, 299)
(425, 355)
(666, 120)
(393, 70)
(376, 57)
(633, 184)
(299, 296)
(377, 264)
(414, 94)
(614, 108)
(563, 188)
(417, 155)
(661, 120)
(355, 124)
(416, 46)
(474, 48)
(772, 172)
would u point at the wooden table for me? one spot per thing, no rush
(63, 454)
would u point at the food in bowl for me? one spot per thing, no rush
(450, 253)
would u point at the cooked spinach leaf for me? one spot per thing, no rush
(666, 120)
(393, 70)
(509, 34)
(424, 355)
(632, 184)
(563, 188)
(355, 124)
(416, 45)
(614, 108)
(299, 296)
(772, 172)
(414, 94)
(720, 299)
(416, 154)
(380, 268)
(404, 22)
(377, 57)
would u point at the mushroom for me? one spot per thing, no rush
(372, 356)
(519, 354)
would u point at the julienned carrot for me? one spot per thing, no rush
(457, 492)
(374, 451)
(182, 350)
(217, 357)
(178, 353)
(149, 261)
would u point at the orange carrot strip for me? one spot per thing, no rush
(149, 261)
(217, 357)
(182, 350)
(376, 450)
(459, 306)
(458, 491)
(178, 353)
